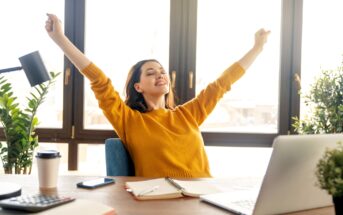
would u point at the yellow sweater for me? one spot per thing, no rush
(163, 142)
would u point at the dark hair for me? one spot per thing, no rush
(134, 99)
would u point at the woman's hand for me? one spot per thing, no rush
(261, 37)
(53, 27)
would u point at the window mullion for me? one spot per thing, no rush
(290, 63)
(182, 46)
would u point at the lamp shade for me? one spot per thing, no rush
(34, 68)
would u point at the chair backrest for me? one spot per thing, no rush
(118, 160)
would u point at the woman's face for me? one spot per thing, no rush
(154, 80)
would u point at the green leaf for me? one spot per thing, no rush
(34, 96)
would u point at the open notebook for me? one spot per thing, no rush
(289, 183)
(168, 188)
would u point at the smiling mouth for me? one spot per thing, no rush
(161, 83)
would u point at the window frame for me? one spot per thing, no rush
(182, 59)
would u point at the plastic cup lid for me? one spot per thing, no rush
(48, 154)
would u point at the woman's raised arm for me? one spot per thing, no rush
(54, 28)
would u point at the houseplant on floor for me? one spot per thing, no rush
(325, 102)
(329, 174)
(19, 126)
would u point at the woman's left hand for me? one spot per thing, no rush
(261, 37)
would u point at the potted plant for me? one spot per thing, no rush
(19, 126)
(325, 102)
(329, 174)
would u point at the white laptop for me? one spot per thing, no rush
(289, 183)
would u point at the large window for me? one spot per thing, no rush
(226, 32)
(198, 39)
(192, 39)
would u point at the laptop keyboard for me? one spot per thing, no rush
(247, 204)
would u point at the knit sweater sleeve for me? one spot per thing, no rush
(108, 98)
(203, 104)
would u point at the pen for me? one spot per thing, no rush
(146, 191)
(172, 182)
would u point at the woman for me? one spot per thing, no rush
(162, 140)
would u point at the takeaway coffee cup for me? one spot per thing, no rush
(48, 164)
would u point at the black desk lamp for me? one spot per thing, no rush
(34, 68)
(36, 73)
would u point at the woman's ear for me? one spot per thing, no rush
(137, 87)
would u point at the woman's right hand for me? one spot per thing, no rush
(53, 27)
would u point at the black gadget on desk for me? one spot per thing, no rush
(94, 183)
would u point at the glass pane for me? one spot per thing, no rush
(322, 44)
(22, 24)
(225, 33)
(119, 34)
(91, 159)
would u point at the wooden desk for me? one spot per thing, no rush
(124, 203)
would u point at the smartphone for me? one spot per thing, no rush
(94, 183)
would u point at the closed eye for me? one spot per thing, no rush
(149, 73)
(152, 71)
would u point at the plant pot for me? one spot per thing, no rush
(338, 203)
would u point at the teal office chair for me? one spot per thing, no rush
(118, 160)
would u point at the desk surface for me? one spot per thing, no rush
(124, 203)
